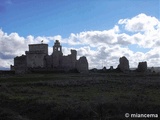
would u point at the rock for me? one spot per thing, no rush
(123, 64)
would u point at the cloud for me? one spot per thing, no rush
(145, 30)
(140, 23)
(153, 53)
(13, 45)
(94, 38)
(5, 63)
(5, 56)
(57, 37)
(102, 48)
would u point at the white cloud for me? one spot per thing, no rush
(94, 38)
(153, 52)
(5, 63)
(11, 44)
(102, 48)
(145, 30)
(66, 50)
(140, 23)
(57, 37)
(50, 50)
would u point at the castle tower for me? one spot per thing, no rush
(74, 55)
(35, 55)
(73, 58)
(57, 47)
(57, 54)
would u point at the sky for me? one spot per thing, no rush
(101, 30)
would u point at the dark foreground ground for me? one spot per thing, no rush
(78, 96)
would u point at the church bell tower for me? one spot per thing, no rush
(57, 47)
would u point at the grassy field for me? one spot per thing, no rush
(93, 96)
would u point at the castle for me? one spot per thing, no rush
(37, 59)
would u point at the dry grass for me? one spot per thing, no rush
(79, 96)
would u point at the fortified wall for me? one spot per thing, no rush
(37, 58)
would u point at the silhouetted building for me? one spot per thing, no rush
(37, 58)
(142, 67)
(123, 64)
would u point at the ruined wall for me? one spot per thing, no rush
(82, 65)
(48, 61)
(66, 62)
(69, 62)
(123, 64)
(35, 59)
(57, 59)
(20, 64)
(73, 58)
(142, 67)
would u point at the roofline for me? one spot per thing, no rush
(37, 44)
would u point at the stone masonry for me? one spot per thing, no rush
(123, 64)
(37, 58)
(142, 67)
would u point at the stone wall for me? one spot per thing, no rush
(123, 64)
(36, 54)
(66, 63)
(82, 65)
(42, 48)
(73, 58)
(20, 64)
(142, 67)
(49, 61)
(37, 58)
